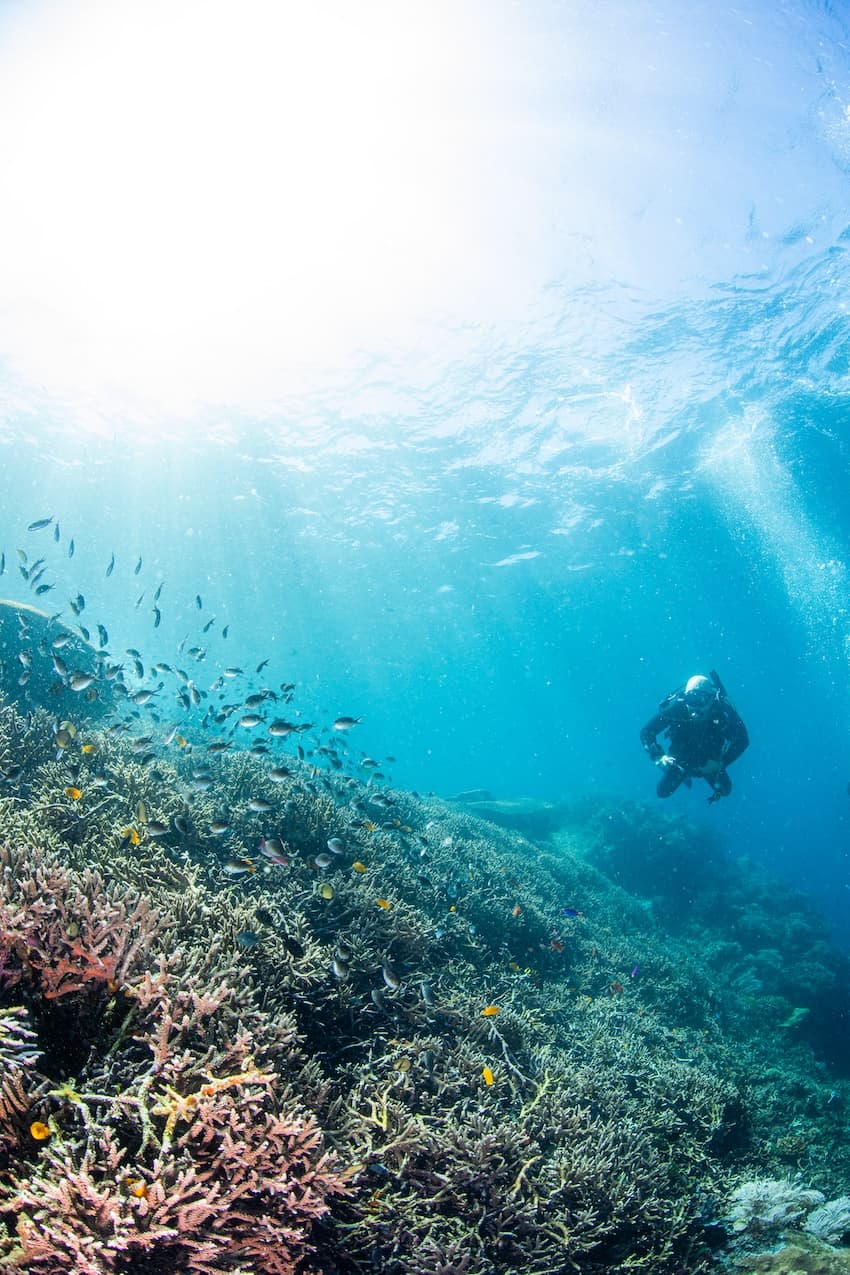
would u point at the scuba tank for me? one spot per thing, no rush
(722, 692)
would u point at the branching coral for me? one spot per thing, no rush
(245, 1074)
(171, 1141)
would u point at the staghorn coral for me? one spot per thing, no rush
(628, 1078)
(18, 1043)
(224, 1180)
(174, 1140)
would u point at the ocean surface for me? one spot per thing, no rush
(482, 367)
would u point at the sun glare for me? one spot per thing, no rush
(202, 197)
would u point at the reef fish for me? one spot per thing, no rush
(238, 867)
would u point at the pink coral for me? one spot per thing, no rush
(171, 1148)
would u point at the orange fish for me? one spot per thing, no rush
(384, 903)
(516, 911)
(74, 793)
(39, 1131)
(490, 1011)
(488, 1075)
(616, 988)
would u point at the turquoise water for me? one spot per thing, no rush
(482, 368)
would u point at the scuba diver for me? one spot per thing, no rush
(705, 735)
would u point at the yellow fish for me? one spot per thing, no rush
(89, 748)
(181, 742)
(358, 866)
(490, 1011)
(384, 903)
(488, 1075)
(131, 835)
(74, 793)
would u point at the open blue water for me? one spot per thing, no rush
(489, 385)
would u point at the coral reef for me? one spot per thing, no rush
(831, 1221)
(309, 1024)
(804, 1255)
(766, 1205)
(152, 1119)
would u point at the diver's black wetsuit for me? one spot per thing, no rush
(695, 743)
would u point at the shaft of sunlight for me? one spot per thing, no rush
(755, 490)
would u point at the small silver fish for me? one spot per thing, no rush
(346, 723)
(391, 979)
(280, 729)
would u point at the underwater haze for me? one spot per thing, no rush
(481, 366)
